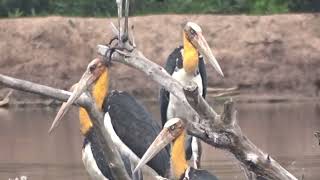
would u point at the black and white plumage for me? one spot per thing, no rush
(193, 174)
(95, 163)
(186, 65)
(131, 126)
(174, 66)
(174, 132)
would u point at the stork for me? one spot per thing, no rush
(186, 64)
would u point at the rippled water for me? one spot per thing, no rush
(283, 130)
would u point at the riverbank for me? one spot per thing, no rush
(266, 57)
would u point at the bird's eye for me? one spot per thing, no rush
(173, 127)
(193, 32)
(92, 68)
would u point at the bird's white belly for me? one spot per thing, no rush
(90, 163)
(174, 106)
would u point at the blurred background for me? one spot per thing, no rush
(103, 8)
(269, 51)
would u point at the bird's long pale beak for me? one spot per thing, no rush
(86, 79)
(161, 141)
(201, 44)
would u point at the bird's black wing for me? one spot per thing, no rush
(188, 147)
(164, 94)
(102, 163)
(201, 174)
(135, 127)
(97, 153)
(203, 74)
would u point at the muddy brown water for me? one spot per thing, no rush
(284, 130)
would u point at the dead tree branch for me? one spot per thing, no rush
(5, 101)
(203, 121)
(111, 150)
(221, 131)
(317, 135)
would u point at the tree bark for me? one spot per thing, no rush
(111, 151)
(221, 131)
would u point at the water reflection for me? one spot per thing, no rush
(285, 131)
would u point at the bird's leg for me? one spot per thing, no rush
(119, 5)
(196, 152)
(126, 24)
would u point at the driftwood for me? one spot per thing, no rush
(317, 135)
(111, 152)
(5, 101)
(220, 131)
(220, 90)
(85, 101)
(204, 123)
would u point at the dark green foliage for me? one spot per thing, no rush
(16, 8)
(304, 5)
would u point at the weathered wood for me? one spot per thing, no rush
(317, 135)
(111, 151)
(223, 94)
(202, 120)
(6, 99)
(228, 116)
(215, 90)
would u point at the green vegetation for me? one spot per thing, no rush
(17, 8)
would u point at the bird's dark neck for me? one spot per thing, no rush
(190, 56)
(99, 91)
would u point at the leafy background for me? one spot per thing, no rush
(102, 8)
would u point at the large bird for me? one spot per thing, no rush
(129, 124)
(174, 131)
(186, 64)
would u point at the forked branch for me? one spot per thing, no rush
(111, 152)
(203, 121)
(219, 131)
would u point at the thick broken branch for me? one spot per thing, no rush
(6, 99)
(222, 134)
(199, 104)
(111, 150)
(228, 116)
(317, 135)
(219, 90)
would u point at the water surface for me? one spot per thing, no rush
(284, 130)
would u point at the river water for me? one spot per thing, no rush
(284, 130)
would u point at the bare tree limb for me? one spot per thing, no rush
(203, 121)
(111, 150)
(5, 101)
(37, 89)
(248, 174)
(223, 94)
(317, 135)
(214, 90)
